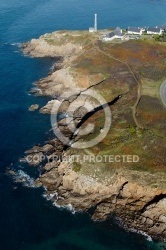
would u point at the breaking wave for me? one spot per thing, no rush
(37, 90)
(10, 44)
(24, 178)
(148, 237)
(50, 196)
(69, 207)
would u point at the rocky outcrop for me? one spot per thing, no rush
(57, 83)
(41, 48)
(33, 107)
(140, 208)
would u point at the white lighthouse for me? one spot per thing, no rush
(94, 29)
(95, 23)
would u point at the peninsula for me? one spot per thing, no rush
(124, 173)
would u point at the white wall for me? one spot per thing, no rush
(112, 38)
(154, 33)
(136, 33)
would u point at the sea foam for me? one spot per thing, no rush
(23, 177)
(50, 196)
(69, 207)
(148, 237)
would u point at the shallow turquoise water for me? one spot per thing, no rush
(27, 221)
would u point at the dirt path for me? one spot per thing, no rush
(139, 84)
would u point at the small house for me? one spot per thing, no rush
(116, 34)
(154, 31)
(135, 30)
(91, 29)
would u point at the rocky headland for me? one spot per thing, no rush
(128, 76)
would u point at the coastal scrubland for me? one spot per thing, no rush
(128, 75)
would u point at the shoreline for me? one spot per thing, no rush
(78, 188)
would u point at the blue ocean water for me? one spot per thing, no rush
(27, 221)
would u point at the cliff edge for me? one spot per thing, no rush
(124, 171)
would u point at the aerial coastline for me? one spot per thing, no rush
(124, 73)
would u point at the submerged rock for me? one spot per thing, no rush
(33, 107)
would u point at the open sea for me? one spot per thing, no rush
(27, 220)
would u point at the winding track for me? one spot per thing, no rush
(139, 84)
(139, 91)
(163, 92)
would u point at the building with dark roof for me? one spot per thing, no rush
(117, 33)
(135, 30)
(154, 30)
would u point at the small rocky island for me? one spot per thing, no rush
(128, 75)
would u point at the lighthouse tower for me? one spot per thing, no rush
(95, 23)
(94, 29)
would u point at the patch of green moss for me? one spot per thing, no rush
(132, 129)
(76, 167)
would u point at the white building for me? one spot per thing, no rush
(135, 30)
(116, 34)
(91, 29)
(154, 31)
